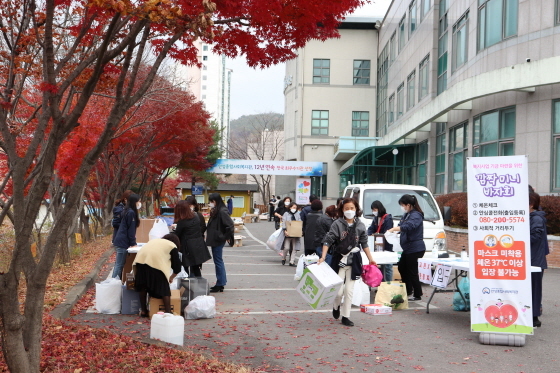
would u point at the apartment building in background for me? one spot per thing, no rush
(453, 79)
(330, 101)
(210, 84)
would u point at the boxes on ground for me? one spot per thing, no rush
(130, 301)
(378, 309)
(294, 228)
(363, 307)
(193, 287)
(156, 305)
(168, 328)
(319, 285)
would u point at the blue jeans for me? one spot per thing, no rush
(217, 251)
(387, 270)
(119, 262)
(328, 258)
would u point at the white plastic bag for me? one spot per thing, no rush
(304, 260)
(271, 242)
(108, 296)
(393, 238)
(201, 307)
(159, 229)
(361, 293)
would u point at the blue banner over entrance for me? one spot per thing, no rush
(258, 167)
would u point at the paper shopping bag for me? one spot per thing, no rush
(294, 228)
(392, 294)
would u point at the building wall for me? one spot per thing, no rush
(503, 65)
(340, 97)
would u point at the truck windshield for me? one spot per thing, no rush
(390, 199)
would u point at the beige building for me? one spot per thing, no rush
(330, 100)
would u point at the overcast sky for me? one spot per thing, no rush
(258, 91)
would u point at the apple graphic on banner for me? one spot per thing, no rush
(306, 183)
(501, 316)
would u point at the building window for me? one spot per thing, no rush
(205, 48)
(402, 34)
(497, 20)
(458, 137)
(382, 82)
(424, 9)
(410, 86)
(204, 58)
(412, 18)
(442, 48)
(361, 71)
(460, 32)
(557, 11)
(400, 101)
(556, 144)
(204, 77)
(423, 78)
(321, 71)
(203, 87)
(440, 158)
(422, 163)
(494, 133)
(392, 109)
(393, 46)
(320, 122)
(360, 123)
(204, 67)
(204, 97)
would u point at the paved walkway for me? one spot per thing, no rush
(262, 321)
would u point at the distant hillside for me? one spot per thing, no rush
(248, 123)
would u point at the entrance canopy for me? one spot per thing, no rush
(378, 164)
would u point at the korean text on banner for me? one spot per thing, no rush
(262, 167)
(499, 245)
(303, 190)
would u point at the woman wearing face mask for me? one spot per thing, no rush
(220, 229)
(289, 244)
(193, 248)
(380, 224)
(191, 200)
(126, 235)
(411, 227)
(279, 212)
(347, 233)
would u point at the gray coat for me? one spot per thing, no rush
(340, 225)
(282, 236)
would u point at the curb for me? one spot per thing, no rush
(62, 311)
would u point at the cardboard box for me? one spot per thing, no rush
(319, 285)
(363, 307)
(294, 228)
(127, 266)
(156, 305)
(130, 302)
(142, 232)
(378, 309)
(129, 281)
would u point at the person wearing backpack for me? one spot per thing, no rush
(117, 213)
(347, 233)
(219, 230)
(380, 224)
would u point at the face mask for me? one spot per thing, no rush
(286, 203)
(375, 213)
(211, 204)
(293, 211)
(403, 209)
(349, 214)
(138, 205)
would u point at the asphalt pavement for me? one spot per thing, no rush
(263, 322)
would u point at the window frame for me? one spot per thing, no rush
(483, 6)
(411, 89)
(423, 10)
(359, 70)
(422, 161)
(400, 100)
(442, 55)
(412, 16)
(321, 68)
(555, 164)
(391, 111)
(320, 118)
(454, 151)
(440, 156)
(361, 121)
(402, 33)
(424, 68)
(478, 145)
(556, 12)
(393, 48)
(456, 28)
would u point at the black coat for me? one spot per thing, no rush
(309, 230)
(387, 224)
(323, 227)
(539, 241)
(303, 213)
(280, 211)
(126, 235)
(219, 228)
(193, 248)
(202, 222)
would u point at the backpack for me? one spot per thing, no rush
(117, 215)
